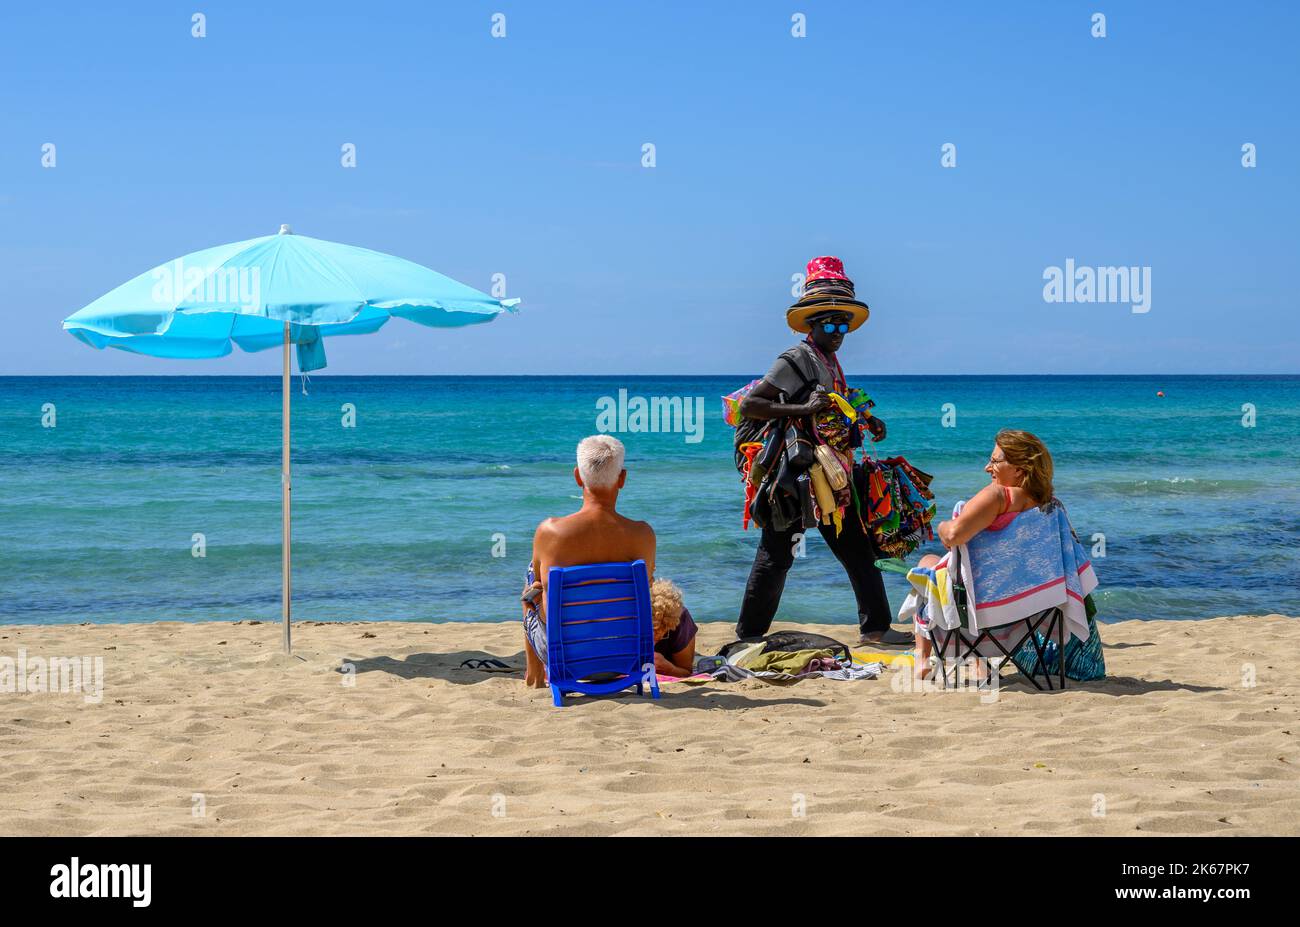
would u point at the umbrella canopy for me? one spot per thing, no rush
(243, 293)
(275, 291)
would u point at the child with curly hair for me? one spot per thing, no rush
(674, 630)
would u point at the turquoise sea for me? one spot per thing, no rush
(398, 517)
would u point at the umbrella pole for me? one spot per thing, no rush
(284, 488)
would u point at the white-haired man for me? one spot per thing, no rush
(596, 533)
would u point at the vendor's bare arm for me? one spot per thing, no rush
(761, 403)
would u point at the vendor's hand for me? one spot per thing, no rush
(818, 402)
(876, 427)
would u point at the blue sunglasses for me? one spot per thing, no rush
(831, 328)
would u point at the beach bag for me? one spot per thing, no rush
(750, 431)
(784, 498)
(919, 479)
(874, 489)
(793, 483)
(799, 451)
(833, 466)
(778, 509)
(769, 454)
(1083, 661)
(731, 403)
(823, 495)
(899, 504)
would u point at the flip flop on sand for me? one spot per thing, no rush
(488, 665)
(891, 638)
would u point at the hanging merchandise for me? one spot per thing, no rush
(900, 506)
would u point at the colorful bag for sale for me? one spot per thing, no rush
(899, 505)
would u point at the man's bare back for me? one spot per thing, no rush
(596, 533)
(592, 535)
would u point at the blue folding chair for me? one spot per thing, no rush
(598, 621)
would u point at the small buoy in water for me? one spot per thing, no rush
(1160, 394)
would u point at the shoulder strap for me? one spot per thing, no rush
(807, 383)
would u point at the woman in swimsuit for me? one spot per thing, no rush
(1020, 471)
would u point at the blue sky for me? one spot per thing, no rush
(522, 155)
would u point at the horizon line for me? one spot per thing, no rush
(599, 376)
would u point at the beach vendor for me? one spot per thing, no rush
(796, 395)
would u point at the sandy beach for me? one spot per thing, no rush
(208, 728)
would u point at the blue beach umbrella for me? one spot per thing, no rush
(275, 291)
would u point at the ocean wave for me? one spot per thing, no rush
(1176, 485)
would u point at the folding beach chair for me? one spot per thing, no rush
(598, 623)
(1008, 639)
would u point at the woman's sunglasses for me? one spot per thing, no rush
(831, 328)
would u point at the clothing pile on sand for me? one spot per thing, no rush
(787, 657)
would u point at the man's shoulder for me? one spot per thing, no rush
(799, 352)
(550, 527)
(794, 365)
(640, 532)
(560, 522)
(576, 523)
(797, 355)
(642, 527)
